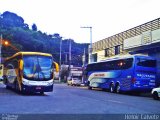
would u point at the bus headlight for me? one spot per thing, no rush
(25, 82)
(50, 83)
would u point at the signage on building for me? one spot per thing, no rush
(146, 37)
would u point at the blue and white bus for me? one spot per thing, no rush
(129, 73)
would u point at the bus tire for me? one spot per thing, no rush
(6, 82)
(16, 86)
(89, 87)
(155, 96)
(111, 88)
(42, 93)
(7, 87)
(117, 88)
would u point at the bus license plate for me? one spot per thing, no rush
(38, 88)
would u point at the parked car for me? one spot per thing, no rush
(74, 81)
(156, 93)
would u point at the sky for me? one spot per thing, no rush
(66, 17)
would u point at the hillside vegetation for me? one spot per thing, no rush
(18, 33)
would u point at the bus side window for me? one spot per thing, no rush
(146, 63)
(138, 61)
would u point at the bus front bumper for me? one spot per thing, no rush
(27, 88)
(37, 86)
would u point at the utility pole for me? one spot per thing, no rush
(90, 48)
(65, 58)
(1, 66)
(60, 59)
(84, 57)
(1, 49)
(70, 47)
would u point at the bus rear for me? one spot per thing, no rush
(144, 74)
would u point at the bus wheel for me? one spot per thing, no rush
(6, 82)
(155, 96)
(42, 93)
(16, 86)
(117, 89)
(89, 87)
(7, 87)
(111, 88)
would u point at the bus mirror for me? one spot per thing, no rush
(56, 66)
(21, 64)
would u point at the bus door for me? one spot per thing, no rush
(145, 73)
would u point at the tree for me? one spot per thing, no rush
(12, 20)
(13, 28)
(56, 35)
(34, 27)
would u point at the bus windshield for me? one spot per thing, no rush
(37, 67)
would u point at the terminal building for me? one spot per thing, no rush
(142, 39)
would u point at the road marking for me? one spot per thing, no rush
(115, 101)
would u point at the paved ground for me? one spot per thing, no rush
(76, 100)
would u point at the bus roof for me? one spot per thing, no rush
(128, 56)
(29, 53)
(125, 57)
(35, 53)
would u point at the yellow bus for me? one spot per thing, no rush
(30, 72)
(1, 72)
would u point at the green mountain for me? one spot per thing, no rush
(20, 36)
